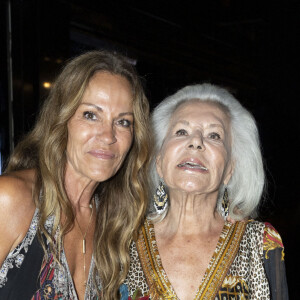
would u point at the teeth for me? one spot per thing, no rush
(192, 165)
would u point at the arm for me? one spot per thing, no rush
(274, 263)
(17, 209)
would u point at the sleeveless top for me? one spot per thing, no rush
(20, 270)
(248, 263)
(27, 273)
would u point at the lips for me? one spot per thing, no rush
(102, 154)
(192, 164)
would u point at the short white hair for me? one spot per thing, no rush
(246, 185)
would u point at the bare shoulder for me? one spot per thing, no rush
(17, 208)
(16, 190)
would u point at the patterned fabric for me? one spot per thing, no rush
(272, 240)
(16, 257)
(136, 295)
(240, 254)
(55, 278)
(56, 281)
(136, 279)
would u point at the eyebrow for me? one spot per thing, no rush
(184, 122)
(216, 125)
(101, 110)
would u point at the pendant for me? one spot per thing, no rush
(83, 246)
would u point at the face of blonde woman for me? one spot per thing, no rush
(101, 131)
(195, 157)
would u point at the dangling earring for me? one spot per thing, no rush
(225, 204)
(160, 199)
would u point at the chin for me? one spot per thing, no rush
(101, 176)
(190, 188)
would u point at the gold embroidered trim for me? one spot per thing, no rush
(222, 259)
(159, 285)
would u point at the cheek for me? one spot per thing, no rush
(72, 150)
(125, 142)
(168, 170)
(219, 162)
(166, 164)
(74, 140)
(79, 138)
(79, 133)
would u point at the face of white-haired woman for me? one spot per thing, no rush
(195, 156)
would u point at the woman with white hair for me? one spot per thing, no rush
(207, 168)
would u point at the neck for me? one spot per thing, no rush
(191, 214)
(79, 190)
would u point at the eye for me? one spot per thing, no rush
(181, 132)
(214, 136)
(124, 123)
(89, 115)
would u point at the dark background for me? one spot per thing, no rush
(250, 47)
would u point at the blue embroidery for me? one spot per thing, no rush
(124, 292)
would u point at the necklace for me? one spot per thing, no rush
(90, 206)
(84, 241)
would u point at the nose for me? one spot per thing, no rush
(106, 134)
(196, 142)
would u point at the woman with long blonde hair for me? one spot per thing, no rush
(74, 192)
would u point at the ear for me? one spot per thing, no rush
(158, 165)
(229, 172)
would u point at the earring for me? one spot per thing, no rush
(160, 199)
(225, 203)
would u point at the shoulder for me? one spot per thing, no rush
(264, 234)
(265, 230)
(22, 178)
(17, 187)
(255, 227)
(17, 208)
(16, 190)
(272, 242)
(272, 235)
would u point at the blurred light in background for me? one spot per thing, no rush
(47, 85)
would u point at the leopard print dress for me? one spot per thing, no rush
(248, 263)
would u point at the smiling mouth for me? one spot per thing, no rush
(106, 155)
(192, 165)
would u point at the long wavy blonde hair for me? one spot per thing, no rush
(123, 198)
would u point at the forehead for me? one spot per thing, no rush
(108, 88)
(199, 110)
(106, 79)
